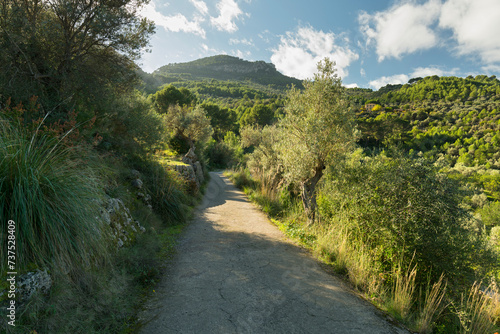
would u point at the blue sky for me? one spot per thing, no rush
(374, 42)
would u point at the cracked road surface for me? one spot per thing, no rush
(235, 272)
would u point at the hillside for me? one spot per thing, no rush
(452, 120)
(222, 68)
(457, 118)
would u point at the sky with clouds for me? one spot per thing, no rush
(374, 43)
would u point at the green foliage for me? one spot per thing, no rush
(135, 128)
(167, 191)
(222, 119)
(171, 96)
(104, 300)
(69, 53)
(190, 124)
(490, 214)
(224, 154)
(259, 115)
(241, 178)
(264, 159)
(225, 68)
(318, 128)
(402, 208)
(438, 127)
(52, 195)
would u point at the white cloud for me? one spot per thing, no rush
(354, 85)
(491, 69)
(475, 25)
(410, 26)
(393, 80)
(429, 71)
(402, 29)
(298, 53)
(175, 23)
(210, 51)
(201, 6)
(241, 54)
(265, 36)
(417, 72)
(228, 12)
(244, 41)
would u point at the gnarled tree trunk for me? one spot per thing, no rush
(308, 194)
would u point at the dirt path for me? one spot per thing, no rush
(236, 273)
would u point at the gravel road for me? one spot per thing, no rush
(235, 272)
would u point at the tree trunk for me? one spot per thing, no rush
(308, 194)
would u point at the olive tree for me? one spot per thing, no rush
(263, 161)
(318, 127)
(188, 123)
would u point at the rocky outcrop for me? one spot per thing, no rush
(123, 226)
(244, 67)
(141, 194)
(192, 171)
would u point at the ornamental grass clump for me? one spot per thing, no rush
(52, 195)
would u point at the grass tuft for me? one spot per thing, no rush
(433, 306)
(475, 312)
(52, 195)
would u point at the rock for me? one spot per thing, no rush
(135, 174)
(123, 226)
(105, 216)
(33, 282)
(190, 157)
(187, 172)
(199, 172)
(137, 183)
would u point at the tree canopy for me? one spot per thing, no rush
(189, 123)
(318, 128)
(68, 51)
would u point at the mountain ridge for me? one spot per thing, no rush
(223, 68)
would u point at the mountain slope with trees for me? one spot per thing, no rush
(222, 68)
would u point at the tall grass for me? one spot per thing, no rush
(433, 306)
(348, 257)
(168, 193)
(477, 309)
(51, 195)
(402, 296)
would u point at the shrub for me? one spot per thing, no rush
(51, 194)
(400, 206)
(220, 155)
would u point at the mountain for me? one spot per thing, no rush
(222, 68)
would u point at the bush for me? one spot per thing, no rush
(399, 207)
(134, 127)
(51, 194)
